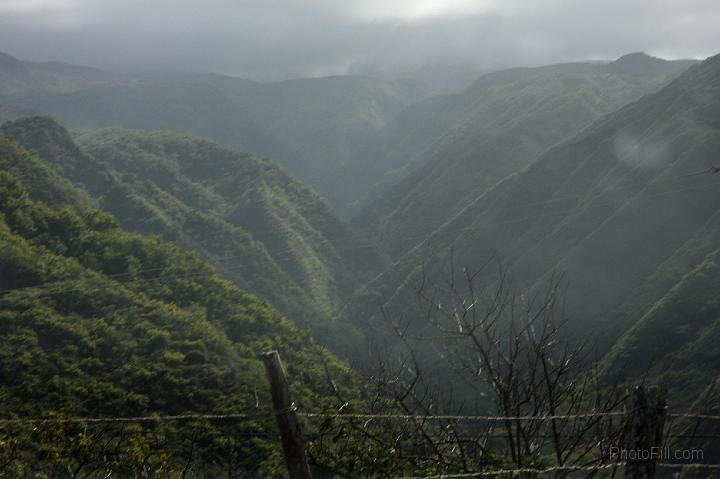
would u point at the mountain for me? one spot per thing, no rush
(259, 226)
(323, 122)
(42, 179)
(10, 113)
(614, 210)
(441, 77)
(18, 77)
(312, 126)
(96, 321)
(446, 151)
(181, 104)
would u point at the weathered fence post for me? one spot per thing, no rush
(643, 441)
(292, 441)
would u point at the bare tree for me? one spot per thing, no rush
(513, 351)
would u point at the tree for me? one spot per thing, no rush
(500, 346)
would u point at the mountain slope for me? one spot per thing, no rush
(613, 210)
(259, 226)
(99, 322)
(449, 150)
(324, 122)
(17, 76)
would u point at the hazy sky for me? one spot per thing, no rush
(280, 38)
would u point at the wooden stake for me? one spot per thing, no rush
(644, 437)
(292, 441)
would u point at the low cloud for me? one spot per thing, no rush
(284, 38)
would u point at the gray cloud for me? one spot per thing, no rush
(280, 38)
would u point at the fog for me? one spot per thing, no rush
(273, 39)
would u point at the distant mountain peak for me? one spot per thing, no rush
(8, 62)
(638, 64)
(637, 56)
(5, 57)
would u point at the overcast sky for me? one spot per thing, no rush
(283, 38)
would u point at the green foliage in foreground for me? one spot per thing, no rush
(98, 322)
(95, 321)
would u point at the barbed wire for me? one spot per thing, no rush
(178, 417)
(693, 416)
(292, 408)
(448, 417)
(326, 415)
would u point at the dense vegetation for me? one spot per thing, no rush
(141, 271)
(100, 322)
(258, 225)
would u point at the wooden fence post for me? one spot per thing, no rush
(292, 441)
(643, 441)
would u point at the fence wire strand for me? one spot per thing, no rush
(325, 415)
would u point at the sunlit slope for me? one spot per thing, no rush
(258, 225)
(100, 322)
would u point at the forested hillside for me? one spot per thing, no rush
(259, 226)
(402, 239)
(446, 151)
(627, 211)
(100, 322)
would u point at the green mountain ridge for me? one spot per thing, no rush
(256, 224)
(96, 321)
(600, 172)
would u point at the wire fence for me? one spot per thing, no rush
(599, 466)
(464, 418)
(325, 415)
(137, 419)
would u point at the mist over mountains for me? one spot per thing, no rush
(159, 229)
(312, 126)
(451, 149)
(613, 210)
